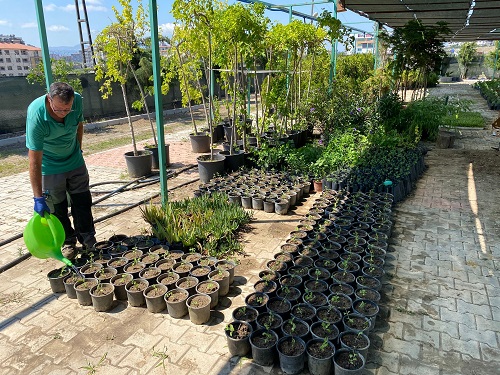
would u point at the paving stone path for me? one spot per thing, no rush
(441, 297)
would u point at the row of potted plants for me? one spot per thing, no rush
(318, 298)
(157, 277)
(490, 91)
(257, 189)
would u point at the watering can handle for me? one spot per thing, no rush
(51, 225)
(54, 234)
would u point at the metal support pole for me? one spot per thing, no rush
(43, 41)
(376, 57)
(333, 54)
(153, 17)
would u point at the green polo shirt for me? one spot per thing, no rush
(58, 141)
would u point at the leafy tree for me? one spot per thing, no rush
(356, 68)
(115, 48)
(466, 55)
(493, 56)
(416, 48)
(61, 72)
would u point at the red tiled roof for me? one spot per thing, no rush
(19, 46)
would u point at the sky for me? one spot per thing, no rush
(18, 17)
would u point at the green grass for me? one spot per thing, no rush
(465, 119)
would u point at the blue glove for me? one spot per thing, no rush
(41, 206)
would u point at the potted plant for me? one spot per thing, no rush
(135, 289)
(263, 344)
(348, 362)
(154, 296)
(199, 308)
(237, 336)
(319, 356)
(291, 352)
(117, 44)
(176, 302)
(102, 296)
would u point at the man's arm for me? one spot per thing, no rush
(35, 165)
(79, 134)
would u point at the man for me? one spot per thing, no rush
(54, 133)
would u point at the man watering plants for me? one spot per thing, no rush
(54, 133)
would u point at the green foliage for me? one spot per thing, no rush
(208, 222)
(465, 119)
(62, 71)
(115, 48)
(466, 55)
(416, 47)
(356, 68)
(490, 90)
(493, 57)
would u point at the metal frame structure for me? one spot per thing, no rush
(88, 42)
(469, 21)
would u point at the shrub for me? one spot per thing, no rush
(208, 222)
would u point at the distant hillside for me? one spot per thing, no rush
(65, 50)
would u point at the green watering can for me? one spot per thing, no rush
(44, 237)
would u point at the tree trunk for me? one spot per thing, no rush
(187, 89)
(143, 97)
(124, 93)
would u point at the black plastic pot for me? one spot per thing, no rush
(140, 164)
(135, 289)
(291, 352)
(208, 168)
(319, 357)
(238, 344)
(263, 344)
(102, 296)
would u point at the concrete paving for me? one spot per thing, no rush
(441, 297)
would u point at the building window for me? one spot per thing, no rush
(1, 52)
(2, 67)
(18, 59)
(26, 61)
(16, 52)
(19, 67)
(24, 52)
(26, 68)
(9, 68)
(1, 60)
(7, 60)
(7, 52)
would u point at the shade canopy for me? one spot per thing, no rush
(468, 20)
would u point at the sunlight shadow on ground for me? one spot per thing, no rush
(471, 188)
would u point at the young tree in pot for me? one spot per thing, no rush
(184, 65)
(115, 48)
(239, 28)
(199, 17)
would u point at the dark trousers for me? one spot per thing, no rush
(83, 221)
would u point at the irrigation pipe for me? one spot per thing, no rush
(98, 220)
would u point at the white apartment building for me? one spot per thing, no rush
(16, 59)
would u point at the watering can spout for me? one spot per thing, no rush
(44, 237)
